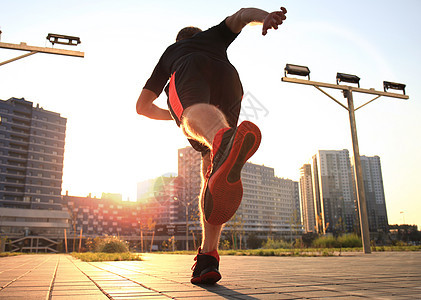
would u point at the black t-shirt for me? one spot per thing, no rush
(212, 42)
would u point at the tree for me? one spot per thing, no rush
(236, 230)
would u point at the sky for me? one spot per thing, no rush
(109, 148)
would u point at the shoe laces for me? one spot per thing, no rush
(213, 253)
(195, 263)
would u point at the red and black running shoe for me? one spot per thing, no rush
(206, 268)
(231, 150)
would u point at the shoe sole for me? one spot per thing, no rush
(208, 278)
(224, 189)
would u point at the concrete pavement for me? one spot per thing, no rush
(380, 275)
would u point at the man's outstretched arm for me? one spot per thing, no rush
(244, 16)
(145, 106)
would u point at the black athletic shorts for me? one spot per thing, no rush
(201, 79)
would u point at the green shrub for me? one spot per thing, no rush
(350, 241)
(276, 244)
(345, 241)
(326, 242)
(110, 244)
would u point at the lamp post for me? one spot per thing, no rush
(141, 235)
(186, 205)
(348, 94)
(53, 38)
(187, 225)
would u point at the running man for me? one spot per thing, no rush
(204, 98)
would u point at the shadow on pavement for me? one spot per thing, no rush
(225, 292)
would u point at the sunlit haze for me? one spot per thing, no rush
(109, 148)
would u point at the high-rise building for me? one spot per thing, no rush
(31, 169)
(332, 187)
(270, 205)
(318, 205)
(31, 155)
(374, 193)
(307, 199)
(336, 186)
(189, 173)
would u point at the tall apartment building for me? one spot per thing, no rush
(189, 170)
(31, 169)
(374, 193)
(336, 185)
(307, 199)
(31, 155)
(270, 205)
(333, 190)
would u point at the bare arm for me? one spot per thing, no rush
(145, 107)
(245, 16)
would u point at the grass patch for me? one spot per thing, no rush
(396, 248)
(100, 256)
(279, 252)
(304, 252)
(7, 254)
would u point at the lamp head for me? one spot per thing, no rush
(394, 86)
(63, 39)
(297, 70)
(342, 77)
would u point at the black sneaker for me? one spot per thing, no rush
(206, 268)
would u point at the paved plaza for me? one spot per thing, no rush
(380, 275)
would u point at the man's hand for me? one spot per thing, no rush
(273, 19)
(245, 16)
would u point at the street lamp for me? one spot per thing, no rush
(53, 38)
(141, 236)
(347, 91)
(63, 39)
(186, 205)
(342, 77)
(297, 70)
(393, 85)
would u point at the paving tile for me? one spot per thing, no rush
(12, 288)
(32, 297)
(150, 297)
(315, 294)
(28, 294)
(379, 276)
(84, 297)
(270, 296)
